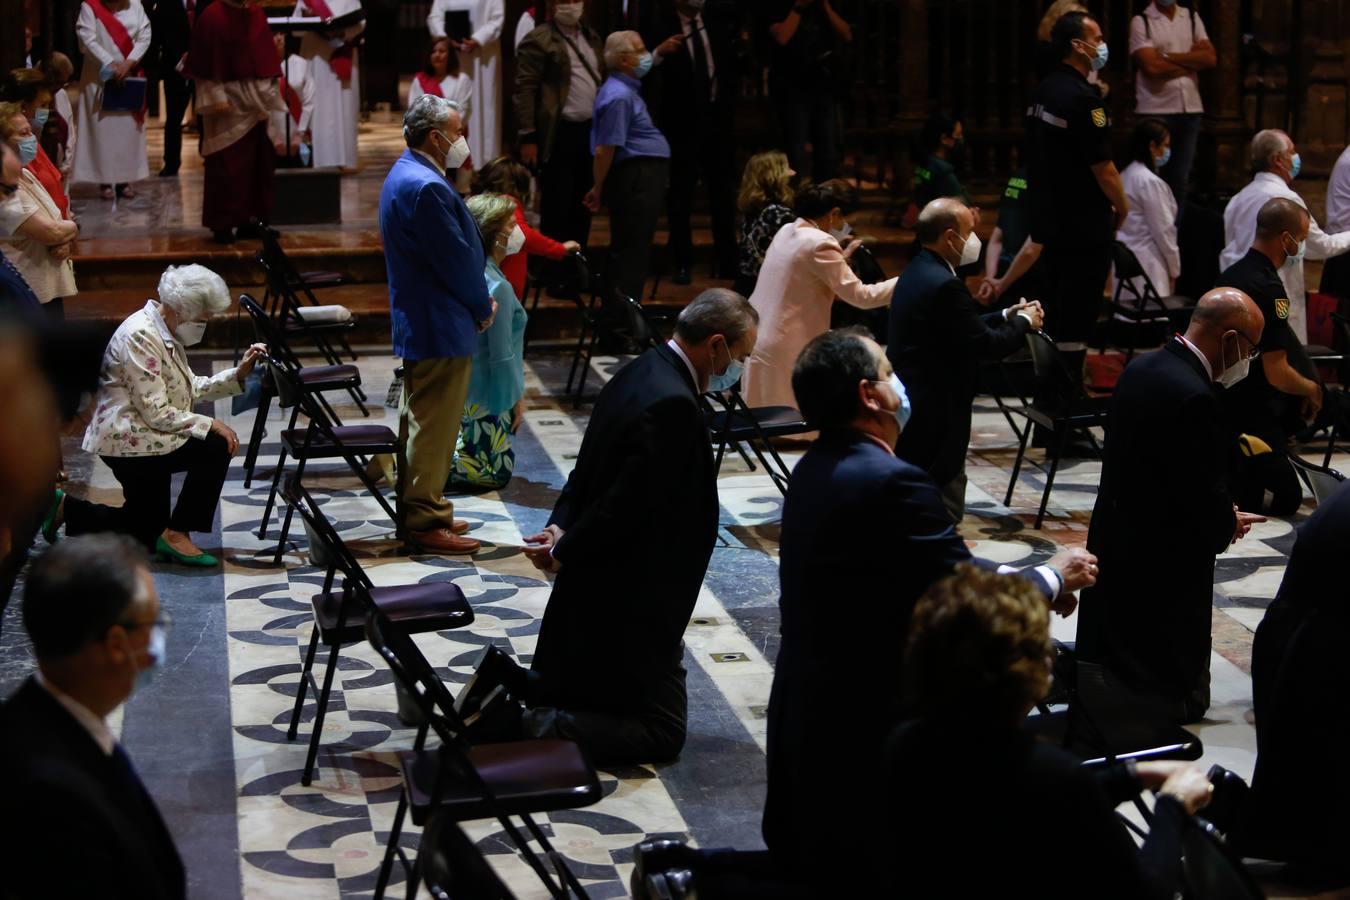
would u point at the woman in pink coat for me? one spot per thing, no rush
(804, 270)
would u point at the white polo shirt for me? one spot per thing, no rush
(1155, 96)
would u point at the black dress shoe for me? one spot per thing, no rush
(168, 172)
(681, 276)
(248, 232)
(1225, 807)
(675, 884)
(497, 721)
(655, 857)
(493, 669)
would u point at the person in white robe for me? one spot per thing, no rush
(1150, 228)
(1276, 162)
(524, 25)
(443, 71)
(296, 70)
(112, 144)
(481, 56)
(337, 102)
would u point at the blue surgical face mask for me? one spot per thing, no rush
(1098, 62)
(1164, 159)
(728, 379)
(305, 154)
(40, 119)
(1296, 258)
(156, 651)
(1295, 166)
(903, 411)
(28, 148)
(644, 65)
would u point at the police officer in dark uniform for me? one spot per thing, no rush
(1079, 200)
(1281, 392)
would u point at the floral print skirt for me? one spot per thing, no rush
(484, 458)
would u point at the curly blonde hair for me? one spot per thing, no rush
(7, 113)
(491, 212)
(978, 644)
(765, 181)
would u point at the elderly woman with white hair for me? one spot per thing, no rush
(144, 429)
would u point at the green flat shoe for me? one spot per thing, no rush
(49, 525)
(166, 553)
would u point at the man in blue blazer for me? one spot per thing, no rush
(438, 302)
(864, 535)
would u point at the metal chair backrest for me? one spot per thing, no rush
(1321, 481)
(639, 326)
(1130, 275)
(1051, 369)
(266, 331)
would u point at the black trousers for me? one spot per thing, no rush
(635, 193)
(652, 731)
(564, 180)
(146, 482)
(706, 153)
(1074, 279)
(177, 94)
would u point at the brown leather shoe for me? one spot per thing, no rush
(459, 526)
(441, 540)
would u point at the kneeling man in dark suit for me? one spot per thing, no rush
(630, 538)
(1164, 510)
(81, 822)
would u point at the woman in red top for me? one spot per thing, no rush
(506, 176)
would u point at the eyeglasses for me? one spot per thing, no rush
(1255, 351)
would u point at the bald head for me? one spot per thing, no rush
(940, 215)
(1223, 310)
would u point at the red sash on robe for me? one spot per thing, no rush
(341, 59)
(429, 84)
(118, 32)
(292, 99)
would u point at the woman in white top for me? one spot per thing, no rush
(41, 240)
(1150, 229)
(442, 77)
(144, 427)
(481, 55)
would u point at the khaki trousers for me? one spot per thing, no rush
(434, 391)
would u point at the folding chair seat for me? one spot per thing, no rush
(339, 616)
(738, 423)
(1075, 412)
(316, 379)
(466, 782)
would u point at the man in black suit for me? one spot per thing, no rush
(630, 539)
(863, 528)
(171, 33)
(938, 338)
(1164, 511)
(81, 822)
(691, 93)
(1282, 394)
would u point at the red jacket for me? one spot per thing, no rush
(536, 244)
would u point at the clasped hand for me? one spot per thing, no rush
(539, 548)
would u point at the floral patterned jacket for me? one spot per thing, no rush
(146, 391)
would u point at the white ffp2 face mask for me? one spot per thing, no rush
(971, 251)
(515, 242)
(1237, 371)
(190, 333)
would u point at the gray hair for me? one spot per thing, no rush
(426, 114)
(617, 44)
(193, 292)
(716, 311)
(1269, 143)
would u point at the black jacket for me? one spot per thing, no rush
(77, 823)
(675, 104)
(864, 535)
(1300, 685)
(170, 34)
(1163, 513)
(938, 338)
(639, 516)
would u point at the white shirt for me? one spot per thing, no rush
(693, 373)
(1156, 96)
(581, 87)
(1338, 195)
(1209, 370)
(1239, 230)
(97, 728)
(1150, 228)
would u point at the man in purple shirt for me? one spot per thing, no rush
(632, 162)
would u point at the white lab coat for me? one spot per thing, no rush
(484, 66)
(1150, 228)
(1239, 230)
(337, 106)
(112, 145)
(1338, 195)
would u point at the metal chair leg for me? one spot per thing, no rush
(387, 864)
(1017, 464)
(290, 512)
(308, 775)
(1061, 438)
(1331, 445)
(259, 432)
(303, 687)
(272, 495)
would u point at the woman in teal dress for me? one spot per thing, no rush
(484, 458)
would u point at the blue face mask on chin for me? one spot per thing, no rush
(903, 411)
(644, 65)
(40, 119)
(1164, 159)
(729, 378)
(1295, 166)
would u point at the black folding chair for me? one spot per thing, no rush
(737, 423)
(1322, 481)
(577, 271)
(317, 379)
(1073, 410)
(1337, 395)
(452, 867)
(302, 286)
(1138, 302)
(321, 439)
(281, 303)
(339, 618)
(482, 781)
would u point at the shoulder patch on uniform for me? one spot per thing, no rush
(1282, 308)
(1099, 117)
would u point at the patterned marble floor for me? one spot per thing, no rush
(210, 736)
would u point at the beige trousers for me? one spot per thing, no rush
(434, 391)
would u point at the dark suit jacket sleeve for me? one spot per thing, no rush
(982, 336)
(435, 221)
(929, 528)
(1201, 439)
(531, 59)
(657, 448)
